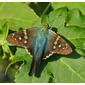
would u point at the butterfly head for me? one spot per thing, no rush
(45, 25)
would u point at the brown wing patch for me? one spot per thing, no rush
(22, 38)
(62, 47)
(56, 44)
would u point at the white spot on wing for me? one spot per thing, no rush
(63, 48)
(13, 35)
(25, 41)
(25, 37)
(20, 38)
(49, 55)
(59, 46)
(54, 47)
(55, 42)
(28, 52)
(15, 39)
(66, 45)
(57, 38)
(25, 32)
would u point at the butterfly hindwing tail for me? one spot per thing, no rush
(34, 67)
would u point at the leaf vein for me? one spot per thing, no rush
(72, 69)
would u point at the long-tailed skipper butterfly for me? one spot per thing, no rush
(40, 43)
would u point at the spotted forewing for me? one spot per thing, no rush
(56, 44)
(25, 38)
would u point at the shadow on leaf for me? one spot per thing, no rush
(40, 7)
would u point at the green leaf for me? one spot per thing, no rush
(3, 41)
(4, 31)
(70, 5)
(65, 68)
(56, 18)
(22, 73)
(18, 15)
(3, 34)
(76, 18)
(68, 70)
(20, 55)
(24, 70)
(75, 34)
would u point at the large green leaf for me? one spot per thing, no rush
(22, 73)
(3, 34)
(56, 18)
(75, 34)
(67, 66)
(76, 18)
(68, 69)
(64, 68)
(70, 5)
(17, 14)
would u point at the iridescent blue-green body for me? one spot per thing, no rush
(40, 43)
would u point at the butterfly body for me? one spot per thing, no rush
(38, 48)
(40, 43)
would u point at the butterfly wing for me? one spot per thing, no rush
(23, 38)
(56, 44)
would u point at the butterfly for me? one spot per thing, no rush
(40, 43)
